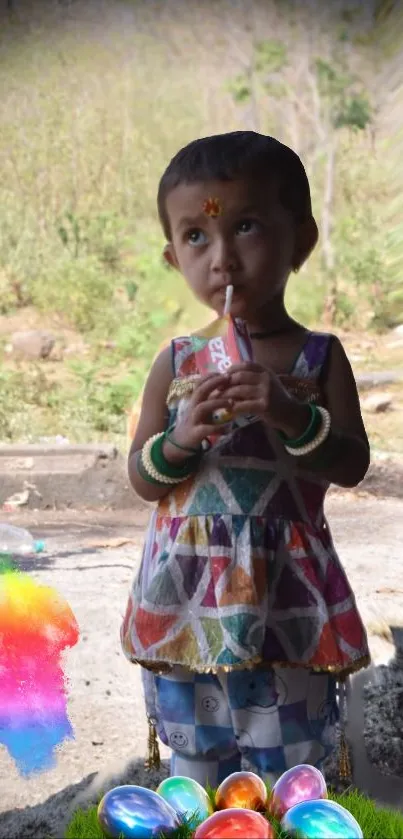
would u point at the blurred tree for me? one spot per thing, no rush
(383, 9)
(311, 99)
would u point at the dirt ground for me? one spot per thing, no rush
(85, 562)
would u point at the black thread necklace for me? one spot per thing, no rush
(259, 336)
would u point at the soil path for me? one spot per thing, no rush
(106, 707)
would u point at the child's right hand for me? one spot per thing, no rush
(196, 423)
(192, 426)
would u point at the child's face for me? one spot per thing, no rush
(253, 243)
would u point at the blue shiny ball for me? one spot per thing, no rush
(135, 813)
(316, 819)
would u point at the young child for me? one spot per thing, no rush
(241, 615)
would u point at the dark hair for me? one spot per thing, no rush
(238, 154)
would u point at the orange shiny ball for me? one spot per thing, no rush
(241, 790)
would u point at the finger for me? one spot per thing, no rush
(246, 377)
(246, 366)
(203, 391)
(248, 406)
(219, 379)
(219, 393)
(208, 376)
(204, 411)
(214, 430)
(243, 390)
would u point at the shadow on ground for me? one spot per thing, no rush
(49, 819)
(375, 729)
(40, 562)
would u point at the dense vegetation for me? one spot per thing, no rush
(95, 99)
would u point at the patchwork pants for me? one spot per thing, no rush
(275, 719)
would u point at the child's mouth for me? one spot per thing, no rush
(236, 300)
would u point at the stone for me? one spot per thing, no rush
(384, 719)
(377, 403)
(79, 476)
(78, 348)
(371, 381)
(32, 343)
(396, 343)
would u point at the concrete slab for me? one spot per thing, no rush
(105, 698)
(57, 477)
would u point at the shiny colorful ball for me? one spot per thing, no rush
(235, 824)
(134, 812)
(301, 783)
(241, 789)
(315, 819)
(187, 797)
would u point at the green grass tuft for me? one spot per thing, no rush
(375, 822)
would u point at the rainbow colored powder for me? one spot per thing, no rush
(36, 625)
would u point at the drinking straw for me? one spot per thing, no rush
(228, 299)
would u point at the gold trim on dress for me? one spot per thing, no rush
(340, 670)
(304, 389)
(181, 387)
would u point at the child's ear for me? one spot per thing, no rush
(305, 242)
(169, 256)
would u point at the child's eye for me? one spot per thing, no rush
(247, 225)
(196, 237)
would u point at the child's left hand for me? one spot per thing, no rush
(259, 392)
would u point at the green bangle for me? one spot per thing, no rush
(161, 464)
(144, 474)
(168, 436)
(309, 434)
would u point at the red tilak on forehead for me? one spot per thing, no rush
(212, 207)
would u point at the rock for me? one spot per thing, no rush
(19, 499)
(384, 478)
(383, 719)
(66, 475)
(368, 381)
(397, 635)
(395, 344)
(78, 348)
(32, 343)
(377, 403)
(398, 330)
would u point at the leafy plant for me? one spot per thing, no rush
(322, 99)
(77, 290)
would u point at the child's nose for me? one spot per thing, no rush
(224, 256)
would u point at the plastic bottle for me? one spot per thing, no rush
(15, 541)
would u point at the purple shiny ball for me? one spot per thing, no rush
(301, 783)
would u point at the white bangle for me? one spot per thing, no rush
(149, 467)
(320, 438)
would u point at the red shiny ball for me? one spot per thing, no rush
(235, 824)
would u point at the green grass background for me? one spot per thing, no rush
(96, 96)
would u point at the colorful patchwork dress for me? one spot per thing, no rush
(239, 568)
